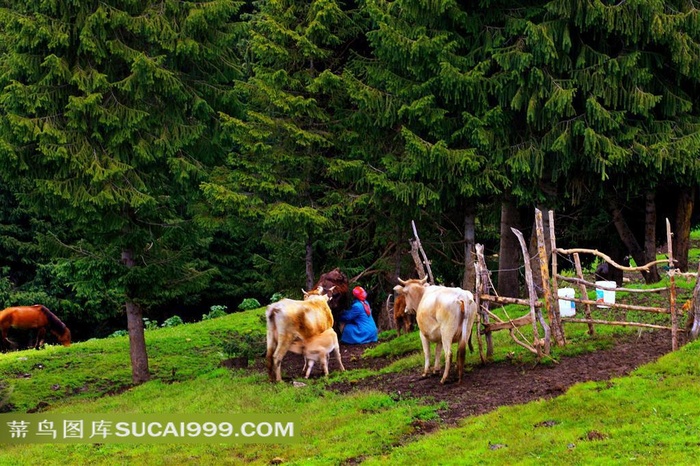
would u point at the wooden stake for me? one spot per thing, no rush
(584, 292)
(672, 285)
(554, 317)
(426, 262)
(482, 280)
(534, 310)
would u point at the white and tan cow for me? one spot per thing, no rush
(289, 320)
(318, 349)
(444, 316)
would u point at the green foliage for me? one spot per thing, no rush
(248, 304)
(215, 311)
(276, 297)
(149, 324)
(172, 321)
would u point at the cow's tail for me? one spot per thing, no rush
(462, 348)
(271, 315)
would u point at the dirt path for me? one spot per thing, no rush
(486, 387)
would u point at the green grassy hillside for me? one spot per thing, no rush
(650, 417)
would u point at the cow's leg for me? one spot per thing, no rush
(438, 354)
(447, 345)
(426, 352)
(337, 357)
(310, 366)
(283, 345)
(324, 363)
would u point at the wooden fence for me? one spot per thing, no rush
(544, 309)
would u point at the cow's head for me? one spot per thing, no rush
(316, 293)
(412, 290)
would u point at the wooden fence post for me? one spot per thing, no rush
(672, 287)
(584, 293)
(482, 287)
(554, 318)
(535, 312)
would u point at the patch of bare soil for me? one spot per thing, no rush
(485, 387)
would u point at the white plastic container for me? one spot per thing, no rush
(566, 308)
(605, 296)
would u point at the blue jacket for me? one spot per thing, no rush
(359, 327)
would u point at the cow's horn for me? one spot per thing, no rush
(424, 280)
(401, 281)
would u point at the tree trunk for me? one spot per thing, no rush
(469, 280)
(137, 340)
(309, 265)
(681, 233)
(627, 237)
(509, 251)
(650, 235)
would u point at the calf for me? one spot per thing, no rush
(444, 316)
(289, 320)
(318, 349)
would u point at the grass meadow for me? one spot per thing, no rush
(649, 417)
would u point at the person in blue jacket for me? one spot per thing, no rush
(357, 322)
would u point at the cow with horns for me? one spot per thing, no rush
(290, 321)
(444, 316)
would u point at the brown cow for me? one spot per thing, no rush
(335, 285)
(289, 320)
(404, 320)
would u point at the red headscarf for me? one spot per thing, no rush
(361, 295)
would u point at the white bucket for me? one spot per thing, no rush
(566, 308)
(605, 296)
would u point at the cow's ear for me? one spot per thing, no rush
(398, 288)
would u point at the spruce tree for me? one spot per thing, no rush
(109, 112)
(282, 145)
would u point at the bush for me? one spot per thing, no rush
(248, 304)
(214, 312)
(276, 297)
(173, 321)
(149, 324)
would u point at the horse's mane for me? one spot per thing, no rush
(54, 322)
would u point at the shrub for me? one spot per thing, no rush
(118, 333)
(149, 324)
(214, 312)
(276, 297)
(248, 304)
(173, 321)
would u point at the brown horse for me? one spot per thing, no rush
(33, 317)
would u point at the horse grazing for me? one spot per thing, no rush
(33, 317)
